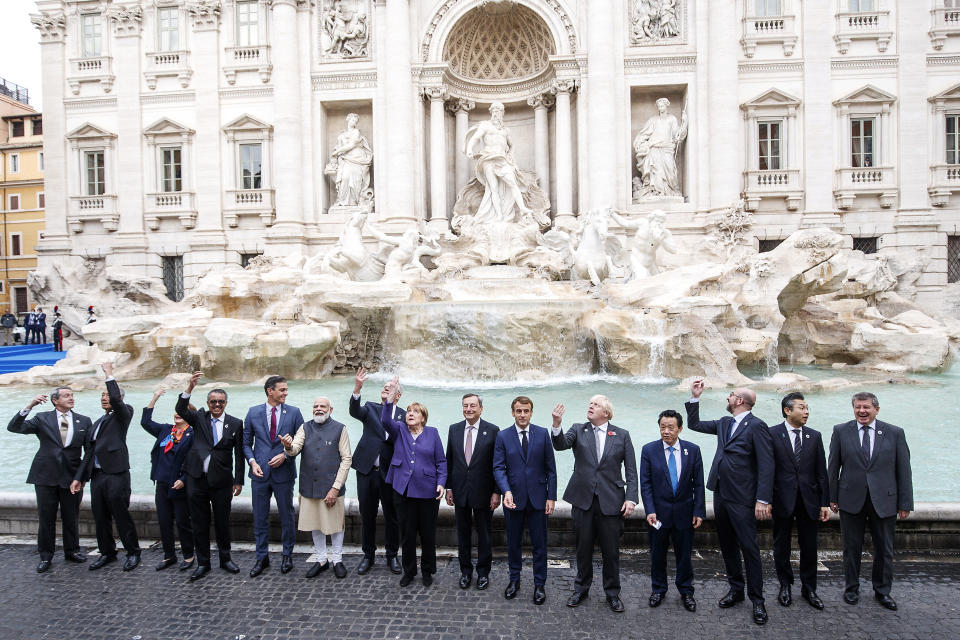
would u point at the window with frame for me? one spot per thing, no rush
(171, 169)
(245, 258)
(91, 35)
(867, 244)
(17, 129)
(248, 28)
(173, 277)
(250, 166)
(767, 8)
(953, 138)
(168, 23)
(40, 160)
(860, 6)
(16, 241)
(862, 132)
(953, 258)
(13, 202)
(770, 149)
(37, 126)
(41, 201)
(20, 299)
(93, 162)
(14, 163)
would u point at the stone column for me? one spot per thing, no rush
(58, 165)
(461, 108)
(399, 203)
(722, 83)
(563, 211)
(601, 102)
(541, 142)
(286, 235)
(438, 159)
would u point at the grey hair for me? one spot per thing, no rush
(865, 395)
(56, 392)
(212, 391)
(473, 395)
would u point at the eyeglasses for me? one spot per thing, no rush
(216, 402)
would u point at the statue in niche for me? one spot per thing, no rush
(650, 234)
(656, 148)
(350, 164)
(654, 20)
(345, 32)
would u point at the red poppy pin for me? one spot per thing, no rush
(611, 433)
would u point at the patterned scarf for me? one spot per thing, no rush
(173, 438)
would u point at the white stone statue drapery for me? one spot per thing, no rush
(654, 20)
(350, 164)
(345, 30)
(656, 149)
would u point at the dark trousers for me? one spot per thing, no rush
(737, 531)
(40, 333)
(110, 498)
(591, 527)
(852, 528)
(49, 499)
(201, 497)
(58, 340)
(283, 491)
(536, 523)
(682, 541)
(372, 493)
(806, 540)
(469, 519)
(418, 516)
(172, 505)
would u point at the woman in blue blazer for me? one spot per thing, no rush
(166, 470)
(418, 473)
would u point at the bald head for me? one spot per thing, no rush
(749, 397)
(741, 400)
(321, 409)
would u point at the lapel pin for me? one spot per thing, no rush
(611, 433)
(808, 436)
(684, 452)
(879, 433)
(483, 433)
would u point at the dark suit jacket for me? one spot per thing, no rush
(109, 446)
(809, 477)
(229, 446)
(257, 443)
(888, 476)
(673, 509)
(179, 451)
(472, 484)
(54, 465)
(531, 479)
(599, 478)
(375, 440)
(742, 470)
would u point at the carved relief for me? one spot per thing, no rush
(653, 21)
(52, 26)
(344, 29)
(126, 19)
(205, 13)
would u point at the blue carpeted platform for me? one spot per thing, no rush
(22, 357)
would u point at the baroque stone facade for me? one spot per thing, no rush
(194, 134)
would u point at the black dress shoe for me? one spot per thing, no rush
(732, 598)
(851, 597)
(364, 566)
(886, 601)
(465, 581)
(656, 599)
(317, 567)
(511, 591)
(539, 597)
(785, 597)
(259, 566)
(199, 572)
(339, 570)
(406, 580)
(229, 566)
(43, 566)
(102, 561)
(482, 583)
(812, 597)
(166, 563)
(286, 564)
(576, 598)
(615, 604)
(186, 564)
(426, 579)
(688, 602)
(76, 556)
(759, 613)
(132, 562)
(394, 565)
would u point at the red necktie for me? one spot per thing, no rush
(273, 423)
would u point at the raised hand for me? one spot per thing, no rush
(358, 381)
(557, 415)
(107, 368)
(697, 387)
(194, 379)
(40, 399)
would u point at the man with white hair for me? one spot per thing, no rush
(324, 448)
(596, 490)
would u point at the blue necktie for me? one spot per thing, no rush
(672, 467)
(213, 425)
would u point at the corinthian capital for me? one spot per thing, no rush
(205, 14)
(434, 93)
(456, 105)
(52, 26)
(126, 19)
(543, 100)
(568, 85)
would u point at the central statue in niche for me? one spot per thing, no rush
(503, 209)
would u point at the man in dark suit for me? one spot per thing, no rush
(602, 455)
(63, 435)
(741, 479)
(106, 462)
(870, 483)
(271, 471)
(800, 494)
(217, 446)
(671, 486)
(471, 488)
(526, 472)
(371, 460)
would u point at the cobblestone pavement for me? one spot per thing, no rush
(72, 603)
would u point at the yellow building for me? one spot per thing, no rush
(21, 197)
